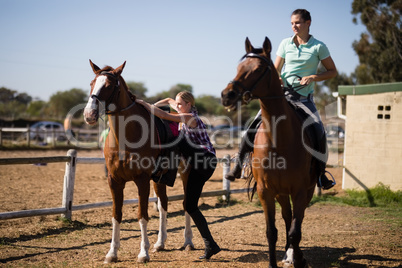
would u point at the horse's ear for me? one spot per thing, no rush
(95, 68)
(119, 69)
(249, 46)
(267, 47)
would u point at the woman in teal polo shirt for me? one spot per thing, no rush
(299, 57)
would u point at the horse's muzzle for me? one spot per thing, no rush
(91, 116)
(229, 99)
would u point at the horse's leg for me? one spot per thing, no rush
(188, 233)
(286, 209)
(267, 199)
(160, 190)
(143, 185)
(295, 234)
(117, 190)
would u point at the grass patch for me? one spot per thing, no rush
(379, 196)
(387, 204)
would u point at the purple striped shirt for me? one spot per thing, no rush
(198, 135)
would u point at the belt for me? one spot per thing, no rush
(296, 96)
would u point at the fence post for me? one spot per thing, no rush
(69, 179)
(53, 138)
(225, 182)
(28, 136)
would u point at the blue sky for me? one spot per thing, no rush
(46, 44)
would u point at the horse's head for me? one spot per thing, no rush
(104, 88)
(255, 66)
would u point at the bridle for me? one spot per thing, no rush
(116, 92)
(247, 94)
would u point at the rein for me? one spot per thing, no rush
(112, 96)
(248, 96)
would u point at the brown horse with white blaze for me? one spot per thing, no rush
(281, 165)
(132, 138)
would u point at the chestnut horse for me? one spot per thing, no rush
(133, 138)
(281, 165)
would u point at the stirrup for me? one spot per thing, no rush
(329, 186)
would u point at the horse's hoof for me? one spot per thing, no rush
(287, 265)
(301, 264)
(143, 259)
(189, 248)
(158, 248)
(288, 258)
(110, 259)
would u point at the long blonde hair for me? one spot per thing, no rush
(187, 97)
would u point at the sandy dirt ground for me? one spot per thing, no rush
(333, 236)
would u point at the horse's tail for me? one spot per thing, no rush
(251, 189)
(248, 174)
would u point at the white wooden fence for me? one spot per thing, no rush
(69, 179)
(27, 135)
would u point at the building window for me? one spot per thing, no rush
(383, 112)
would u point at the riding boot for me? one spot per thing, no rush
(211, 247)
(246, 146)
(323, 181)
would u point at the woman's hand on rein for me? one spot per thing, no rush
(306, 80)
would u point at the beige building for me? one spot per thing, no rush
(373, 139)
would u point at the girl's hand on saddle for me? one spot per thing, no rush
(144, 103)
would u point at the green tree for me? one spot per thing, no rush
(174, 90)
(138, 89)
(63, 101)
(36, 108)
(207, 104)
(12, 103)
(6, 95)
(379, 50)
(23, 98)
(12, 109)
(171, 93)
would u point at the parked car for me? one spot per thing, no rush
(220, 127)
(44, 131)
(335, 131)
(226, 136)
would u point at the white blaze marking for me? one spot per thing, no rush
(100, 82)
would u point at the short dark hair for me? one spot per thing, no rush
(303, 13)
